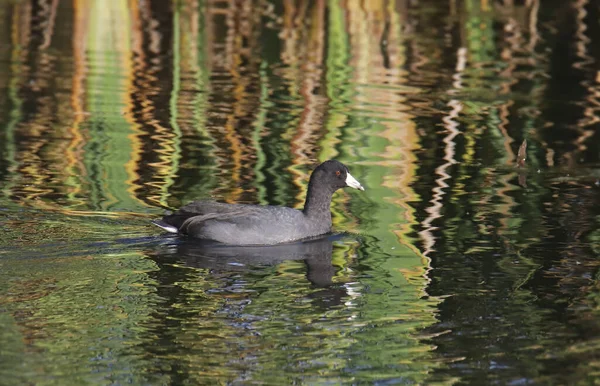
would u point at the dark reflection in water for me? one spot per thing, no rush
(525, 294)
(477, 261)
(217, 257)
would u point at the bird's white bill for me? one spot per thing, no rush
(352, 182)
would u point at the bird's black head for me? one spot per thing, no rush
(335, 175)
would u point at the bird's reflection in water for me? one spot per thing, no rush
(224, 259)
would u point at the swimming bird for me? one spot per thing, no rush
(245, 224)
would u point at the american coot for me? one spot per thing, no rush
(242, 224)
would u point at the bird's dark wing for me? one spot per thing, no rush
(206, 210)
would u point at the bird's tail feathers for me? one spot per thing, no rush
(165, 226)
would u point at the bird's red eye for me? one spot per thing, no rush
(337, 173)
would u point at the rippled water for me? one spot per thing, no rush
(472, 257)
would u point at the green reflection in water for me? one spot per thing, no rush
(175, 148)
(259, 126)
(197, 172)
(338, 79)
(77, 317)
(108, 151)
(391, 301)
(13, 107)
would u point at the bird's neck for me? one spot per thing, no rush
(318, 204)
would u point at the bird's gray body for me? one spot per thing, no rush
(242, 224)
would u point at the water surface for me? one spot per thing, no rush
(471, 258)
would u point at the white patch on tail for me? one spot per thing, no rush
(165, 226)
